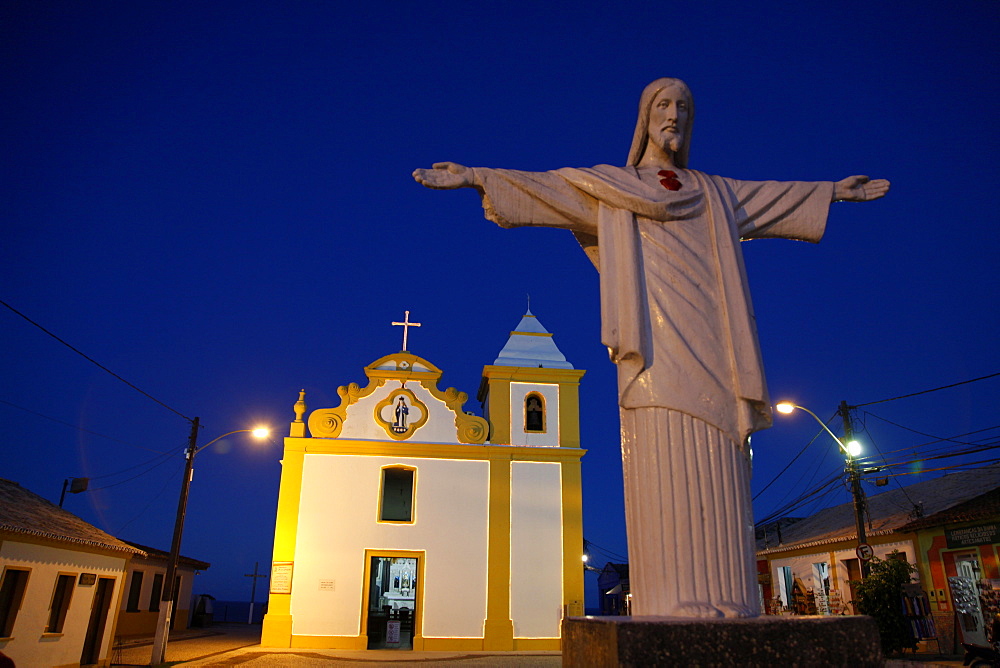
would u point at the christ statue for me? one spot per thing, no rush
(677, 320)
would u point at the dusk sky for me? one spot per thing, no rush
(213, 200)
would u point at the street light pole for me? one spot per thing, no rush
(854, 475)
(850, 449)
(168, 594)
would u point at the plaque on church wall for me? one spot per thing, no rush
(281, 577)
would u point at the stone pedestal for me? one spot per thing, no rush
(760, 641)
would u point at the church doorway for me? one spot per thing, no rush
(392, 597)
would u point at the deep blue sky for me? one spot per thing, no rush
(214, 200)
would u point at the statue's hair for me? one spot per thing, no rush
(641, 136)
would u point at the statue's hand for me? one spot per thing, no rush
(445, 176)
(859, 189)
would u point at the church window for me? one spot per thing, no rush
(397, 494)
(534, 412)
(11, 593)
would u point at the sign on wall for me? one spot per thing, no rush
(982, 534)
(281, 577)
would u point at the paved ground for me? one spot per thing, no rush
(239, 645)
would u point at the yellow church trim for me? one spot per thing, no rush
(531, 334)
(277, 628)
(572, 519)
(498, 628)
(410, 449)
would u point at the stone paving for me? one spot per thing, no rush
(238, 645)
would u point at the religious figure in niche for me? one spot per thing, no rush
(401, 411)
(534, 414)
(677, 320)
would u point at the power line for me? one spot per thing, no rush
(966, 465)
(86, 431)
(95, 362)
(914, 394)
(780, 473)
(163, 461)
(921, 433)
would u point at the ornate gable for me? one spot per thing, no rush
(401, 402)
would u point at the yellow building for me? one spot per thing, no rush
(406, 522)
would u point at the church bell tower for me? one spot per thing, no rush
(530, 394)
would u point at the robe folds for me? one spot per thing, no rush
(675, 306)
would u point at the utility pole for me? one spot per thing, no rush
(253, 589)
(169, 587)
(854, 475)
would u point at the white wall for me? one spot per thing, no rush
(518, 436)
(337, 523)
(28, 647)
(536, 549)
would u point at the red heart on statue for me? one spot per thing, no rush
(669, 180)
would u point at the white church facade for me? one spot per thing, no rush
(406, 522)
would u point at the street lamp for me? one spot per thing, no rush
(168, 593)
(852, 449)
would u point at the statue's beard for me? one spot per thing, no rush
(676, 144)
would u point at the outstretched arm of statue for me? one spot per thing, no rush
(446, 176)
(859, 189)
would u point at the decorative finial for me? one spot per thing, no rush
(300, 406)
(406, 324)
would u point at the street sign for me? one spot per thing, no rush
(865, 552)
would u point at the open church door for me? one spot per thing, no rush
(392, 599)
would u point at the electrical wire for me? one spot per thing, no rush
(939, 438)
(138, 475)
(86, 431)
(170, 479)
(775, 478)
(936, 389)
(801, 500)
(957, 467)
(95, 362)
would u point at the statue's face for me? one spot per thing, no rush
(668, 118)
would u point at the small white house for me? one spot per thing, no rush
(60, 583)
(140, 604)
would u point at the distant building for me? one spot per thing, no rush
(948, 527)
(60, 580)
(614, 591)
(140, 604)
(406, 522)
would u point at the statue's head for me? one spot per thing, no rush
(641, 137)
